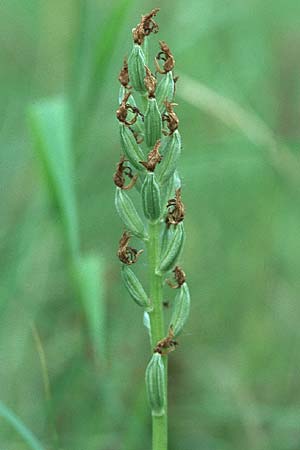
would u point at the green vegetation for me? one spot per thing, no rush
(72, 344)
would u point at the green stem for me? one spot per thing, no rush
(159, 423)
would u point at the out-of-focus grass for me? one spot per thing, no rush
(234, 378)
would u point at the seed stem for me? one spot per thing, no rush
(159, 423)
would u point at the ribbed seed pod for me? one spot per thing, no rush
(173, 249)
(136, 68)
(155, 385)
(170, 149)
(151, 197)
(130, 147)
(135, 288)
(165, 90)
(152, 123)
(129, 214)
(181, 309)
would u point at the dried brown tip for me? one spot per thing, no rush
(123, 109)
(127, 255)
(179, 276)
(124, 76)
(146, 26)
(175, 209)
(166, 56)
(119, 175)
(154, 158)
(150, 83)
(166, 345)
(171, 118)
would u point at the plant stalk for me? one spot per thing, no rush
(159, 423)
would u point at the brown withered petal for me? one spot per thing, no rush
(171, 118)
(175, 209)
(127, 255)
(150, 83)
(124, 76)
(154, 158)
(167, 344)
(121, 170)
(179, 276)
(146, 26)
(166, 56)
(123, 109)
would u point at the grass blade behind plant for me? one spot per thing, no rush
(20, 427)
(50, 125)
(249, 124)
(101, 57)
(89, 273)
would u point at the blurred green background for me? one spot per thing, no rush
(73, 348)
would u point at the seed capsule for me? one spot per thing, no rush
(181, 310)
(128, 214)
(136, 68)
(166, 237)
(173, 249)
(155, 385)
(135, 288)
(165, 91)
(152, 123)
(130, 147)
(151, 197)
(170, 149)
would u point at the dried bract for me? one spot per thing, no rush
(175, 209)
(126, 254)
(146, 26)
(119, 175)
(179, 276)
(171, 118)
(154, 158)
(166, 56)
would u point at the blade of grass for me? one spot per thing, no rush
(50, 125)
(236, 117)
(101, 57)
(89, 273)
(20, 427)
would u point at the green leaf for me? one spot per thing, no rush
(20, 427)
(101, 53)
(89, 274)
(50, 124)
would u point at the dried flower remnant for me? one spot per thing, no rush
(124, 76)
(146, 26)
(150, 83)
(121, 170)
(123, 109)
(175, 209)
(126, 254)
(179, 276)
(166, 56)
(154, 158)
(167, 344)
(171, 118)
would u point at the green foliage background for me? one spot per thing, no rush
(73, 348)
